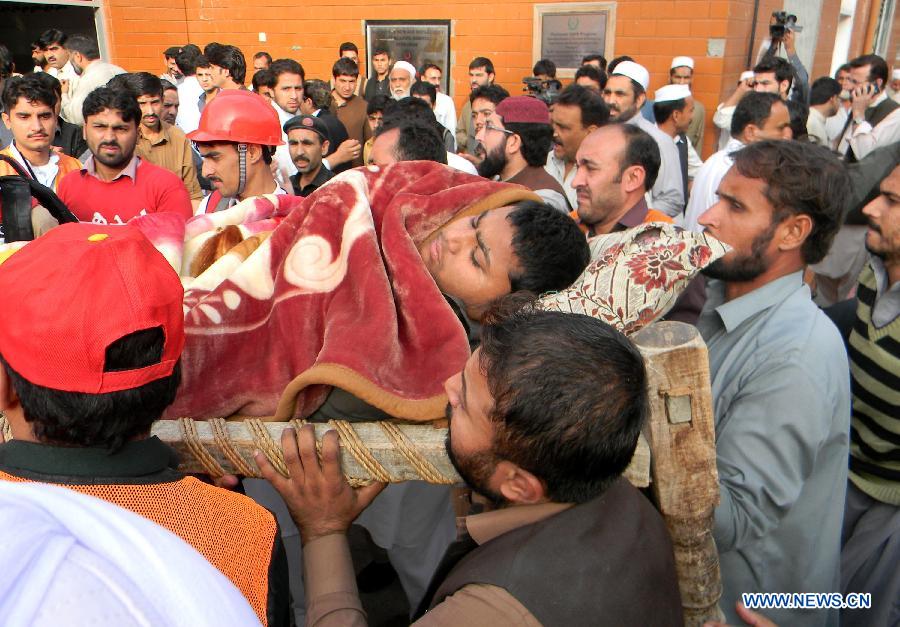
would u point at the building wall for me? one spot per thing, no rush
(652, 31)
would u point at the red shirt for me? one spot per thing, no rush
(139, 189)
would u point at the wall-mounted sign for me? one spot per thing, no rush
(566, 32)
(416, 41)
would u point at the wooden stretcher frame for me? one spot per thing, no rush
(675, 460)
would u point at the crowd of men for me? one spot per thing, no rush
(801, 319)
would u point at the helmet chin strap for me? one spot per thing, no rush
(242, 169)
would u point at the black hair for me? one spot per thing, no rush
(263, 55)
(101, 420)
(544, 66)
(593, 73)
(203, 61)
(187, 59)
(263, 78)
(424, 88)
(193, 48)
(537, 139)
(138, 83)
(843, 68)
(30, 88)
(492, 92)
(345, 67)
(377, 50)
(429, 66)
(782, 69)
(662, 111)
(171, 52)
(418, 140)
(800, 178)
(570, 399)
(823, 89)
(617, 61)
(286, 66)
(640, 149)
(52, 36)
(378, 104)
(87, 46)
(229, 58)
(47, 80)
(877, 67)
(7, 65)
(594, 57)
(211, 47)
(594, 111)
(104, 98)
(484, 62)
(754, 108)
(319, 92)
(348, 45)
(167, 85)
(799, 114)
(409, 108)
(551, 249)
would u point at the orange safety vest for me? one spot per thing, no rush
(231, 531)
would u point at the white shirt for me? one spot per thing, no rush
(722, 119)
(445, 112)
(95, 75)
(864, 138)
(667, 194)
(834, 125)
(557, 169)
(285, 165)
(67, 72)
(694, 160)
(706, 184)
(461, 164)
(815, 127)
(188, 118)
(43, 174)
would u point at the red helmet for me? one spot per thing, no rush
(239, 116)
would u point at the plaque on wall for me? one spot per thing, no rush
(419, 42)
(566, 32)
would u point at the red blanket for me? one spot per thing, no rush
(335, 295)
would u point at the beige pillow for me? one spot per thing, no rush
(635, 276)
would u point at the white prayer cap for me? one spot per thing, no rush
(403, 65)
(746, 76)
(895, 75)
(635, 71)
(682, 62)
(671, 93)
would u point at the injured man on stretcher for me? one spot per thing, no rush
(371, 286)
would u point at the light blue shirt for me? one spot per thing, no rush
(781, 396)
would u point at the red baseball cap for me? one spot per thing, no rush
(75, 291)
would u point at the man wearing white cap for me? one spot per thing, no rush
(673, 110)
(682, 73)
(625, 93)
(402, 76)
(725, 111)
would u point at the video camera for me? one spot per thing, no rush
(547, 90)
(783, 22)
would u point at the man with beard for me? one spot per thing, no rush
(778, 369)
(38, 58)
(159, 142)
(115, 185)
(758, 116)
(308, 143)
(484, 101)
(401, 78)
(625, 93)
(871, 542)
(173, 74)
(516, 138)
(84, 55)
(576, 113)
(53, 43)
(544, 440)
